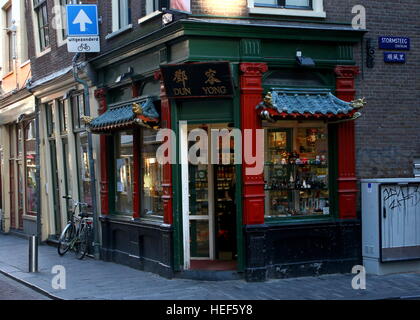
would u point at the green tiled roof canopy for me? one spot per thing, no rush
(139, 111)
(314, 103)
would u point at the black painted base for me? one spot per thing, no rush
(142, 245)
(305, 249)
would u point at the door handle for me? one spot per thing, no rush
(384, 212)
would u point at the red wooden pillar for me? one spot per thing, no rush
(347, 181)
(100, 95)
(165, 122)
(251, 96)
(136, 172)
(136, 161)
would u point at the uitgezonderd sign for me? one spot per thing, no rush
(198, 80)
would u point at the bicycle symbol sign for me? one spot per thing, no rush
(83, 47)
(83, 44)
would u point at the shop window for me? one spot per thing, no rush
(84, 169)
(41, 10)
(30, 167)
(19, 141)
(305, 8)
(63, 116)
(296, 170)
(49, 108)
(124, 166)
(151, 171)
(78, 107)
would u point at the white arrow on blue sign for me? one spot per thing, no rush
(82, 20)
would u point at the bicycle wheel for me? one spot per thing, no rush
(82, 245)
(65, 239)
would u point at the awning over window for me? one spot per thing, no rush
(140, 111)
(307, 103)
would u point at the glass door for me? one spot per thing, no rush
(201, 212)
(197, 204)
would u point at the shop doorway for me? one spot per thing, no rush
(209, 206)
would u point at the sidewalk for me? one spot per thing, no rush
(93, 279)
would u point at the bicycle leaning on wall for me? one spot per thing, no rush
(76, 234)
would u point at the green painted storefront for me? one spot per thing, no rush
(199, 39)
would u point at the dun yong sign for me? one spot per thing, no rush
(197, 80)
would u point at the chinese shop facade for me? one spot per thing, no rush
(214, 219)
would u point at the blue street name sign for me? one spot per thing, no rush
(394, 57)
(394, 43)
(82, 20)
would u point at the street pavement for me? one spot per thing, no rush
(95, 279)
(12, 290)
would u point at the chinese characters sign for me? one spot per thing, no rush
(394, 57)
(198, 80)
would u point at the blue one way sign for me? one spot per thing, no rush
(82, 20)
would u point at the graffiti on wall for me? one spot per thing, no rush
(400, 222)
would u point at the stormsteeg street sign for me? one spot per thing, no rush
(82, 28)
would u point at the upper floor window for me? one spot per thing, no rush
(301, 4)
(10, 36)
(41, 10)
(151, 6)
(304, 8)
(121, 14)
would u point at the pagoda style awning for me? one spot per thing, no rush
(307, 103)
(127, 115)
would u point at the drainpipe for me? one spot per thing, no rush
(90, 155)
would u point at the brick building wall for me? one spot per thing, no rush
(388, 134)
